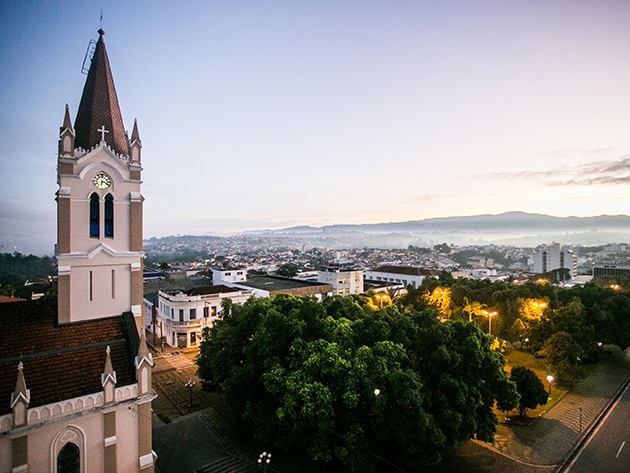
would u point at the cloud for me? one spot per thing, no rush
(592, 173)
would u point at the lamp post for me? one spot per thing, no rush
(380, 298)
(264, 459)
(190, 384)
(550, 379)
(490, 315)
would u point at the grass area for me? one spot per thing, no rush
(515, 357)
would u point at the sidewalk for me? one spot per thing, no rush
(550, 439)
(165, 350)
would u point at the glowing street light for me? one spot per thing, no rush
(379, 297)
(550, 379)
(490, 315)
(264, 459)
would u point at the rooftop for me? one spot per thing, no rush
(278, 283)
(408, 270)
(61, 361)
(207, 290)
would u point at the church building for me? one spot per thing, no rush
(75, 375)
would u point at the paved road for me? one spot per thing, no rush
(607, 450)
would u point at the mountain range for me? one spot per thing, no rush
(515, 228)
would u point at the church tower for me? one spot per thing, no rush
(99, 205)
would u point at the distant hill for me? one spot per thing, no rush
(506, 222)
(515, 228)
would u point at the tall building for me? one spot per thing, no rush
(75, 377)
(99, 205)
(342, 282)
(551, 257)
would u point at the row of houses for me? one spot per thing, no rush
(178, 317)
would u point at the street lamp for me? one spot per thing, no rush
(190, 384)
(379, 297)
(264, 459)
(550, 379)
(490, 315)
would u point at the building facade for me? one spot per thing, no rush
(551, 257)
(342, 282)
(75, 376)
(405, 275)
(610, 270)
(181, 316)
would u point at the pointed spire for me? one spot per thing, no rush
(135, 136)
(144, 363)
(108, 372)
(143, 351)
(66, 136)
(135, 145)
(99, 106)
(67, 123)
(20, 388)
(20, 399)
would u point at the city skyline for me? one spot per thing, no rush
(275, 114)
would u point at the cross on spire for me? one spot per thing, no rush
(103, 131)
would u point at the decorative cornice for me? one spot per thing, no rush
(72, 408)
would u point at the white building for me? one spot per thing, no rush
(342, 282)
(229, 275)
(551, 257)
(405, 275)
(180, 316)
(483, 273)
(480, 262)
(270, 286)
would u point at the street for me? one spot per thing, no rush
(607, 450)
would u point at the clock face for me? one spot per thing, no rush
(102, 181)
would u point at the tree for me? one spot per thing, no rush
(562, 355)
(164, 266)
(473, 308)
(530, 388)
(288, 270)
(354, 384)
(443, 248)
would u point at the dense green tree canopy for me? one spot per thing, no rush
(529, 387)
(353, 384)
(591, 315)
(288, 270)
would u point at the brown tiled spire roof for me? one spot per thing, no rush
(99, 106)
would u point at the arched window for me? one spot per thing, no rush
(68, 459)
(94, 216)
(109, 215)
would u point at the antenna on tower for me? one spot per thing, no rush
(89, 54)
(101, 18)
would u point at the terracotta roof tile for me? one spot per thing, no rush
(60, 362)
(10, 299)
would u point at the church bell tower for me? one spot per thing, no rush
(99, 205)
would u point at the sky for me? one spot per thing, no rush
(268, 114)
